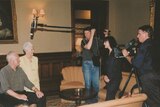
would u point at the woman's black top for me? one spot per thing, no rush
(113, 67)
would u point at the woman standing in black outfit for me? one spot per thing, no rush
(113, 68)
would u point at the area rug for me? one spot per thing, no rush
(55, 101)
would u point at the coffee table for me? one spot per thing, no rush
(77, 94)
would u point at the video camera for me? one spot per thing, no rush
(131, 47)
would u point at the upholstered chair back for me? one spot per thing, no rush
(73, 73)
(131, 83)
(72, 77)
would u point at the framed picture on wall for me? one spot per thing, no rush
(8, 22)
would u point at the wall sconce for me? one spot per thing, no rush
(36, 14)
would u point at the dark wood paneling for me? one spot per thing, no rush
(3, 61)
(50, 66)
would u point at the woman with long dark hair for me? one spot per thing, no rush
(113, 69)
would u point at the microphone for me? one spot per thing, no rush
(33, 28)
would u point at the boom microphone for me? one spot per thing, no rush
(32, 32)
(33, 28)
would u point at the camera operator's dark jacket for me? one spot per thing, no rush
(143, 59)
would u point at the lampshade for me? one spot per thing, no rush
(41, 13)
(34, 12)
(38, 13)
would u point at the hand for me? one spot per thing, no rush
(22, 97)
(39, 94)
(93, 31)
(106, 79)
(125, 52)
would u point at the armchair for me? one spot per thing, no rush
(72, 77)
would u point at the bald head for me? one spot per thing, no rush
(13, 58)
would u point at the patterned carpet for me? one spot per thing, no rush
(55, 101)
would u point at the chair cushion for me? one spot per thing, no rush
(72, 84)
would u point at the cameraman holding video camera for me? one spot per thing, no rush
(143, 62)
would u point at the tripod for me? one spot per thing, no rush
(133, 71)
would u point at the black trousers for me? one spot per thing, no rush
(9, 101)
(151, 86)
(112, 88)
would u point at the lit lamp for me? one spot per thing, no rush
(36, 15)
